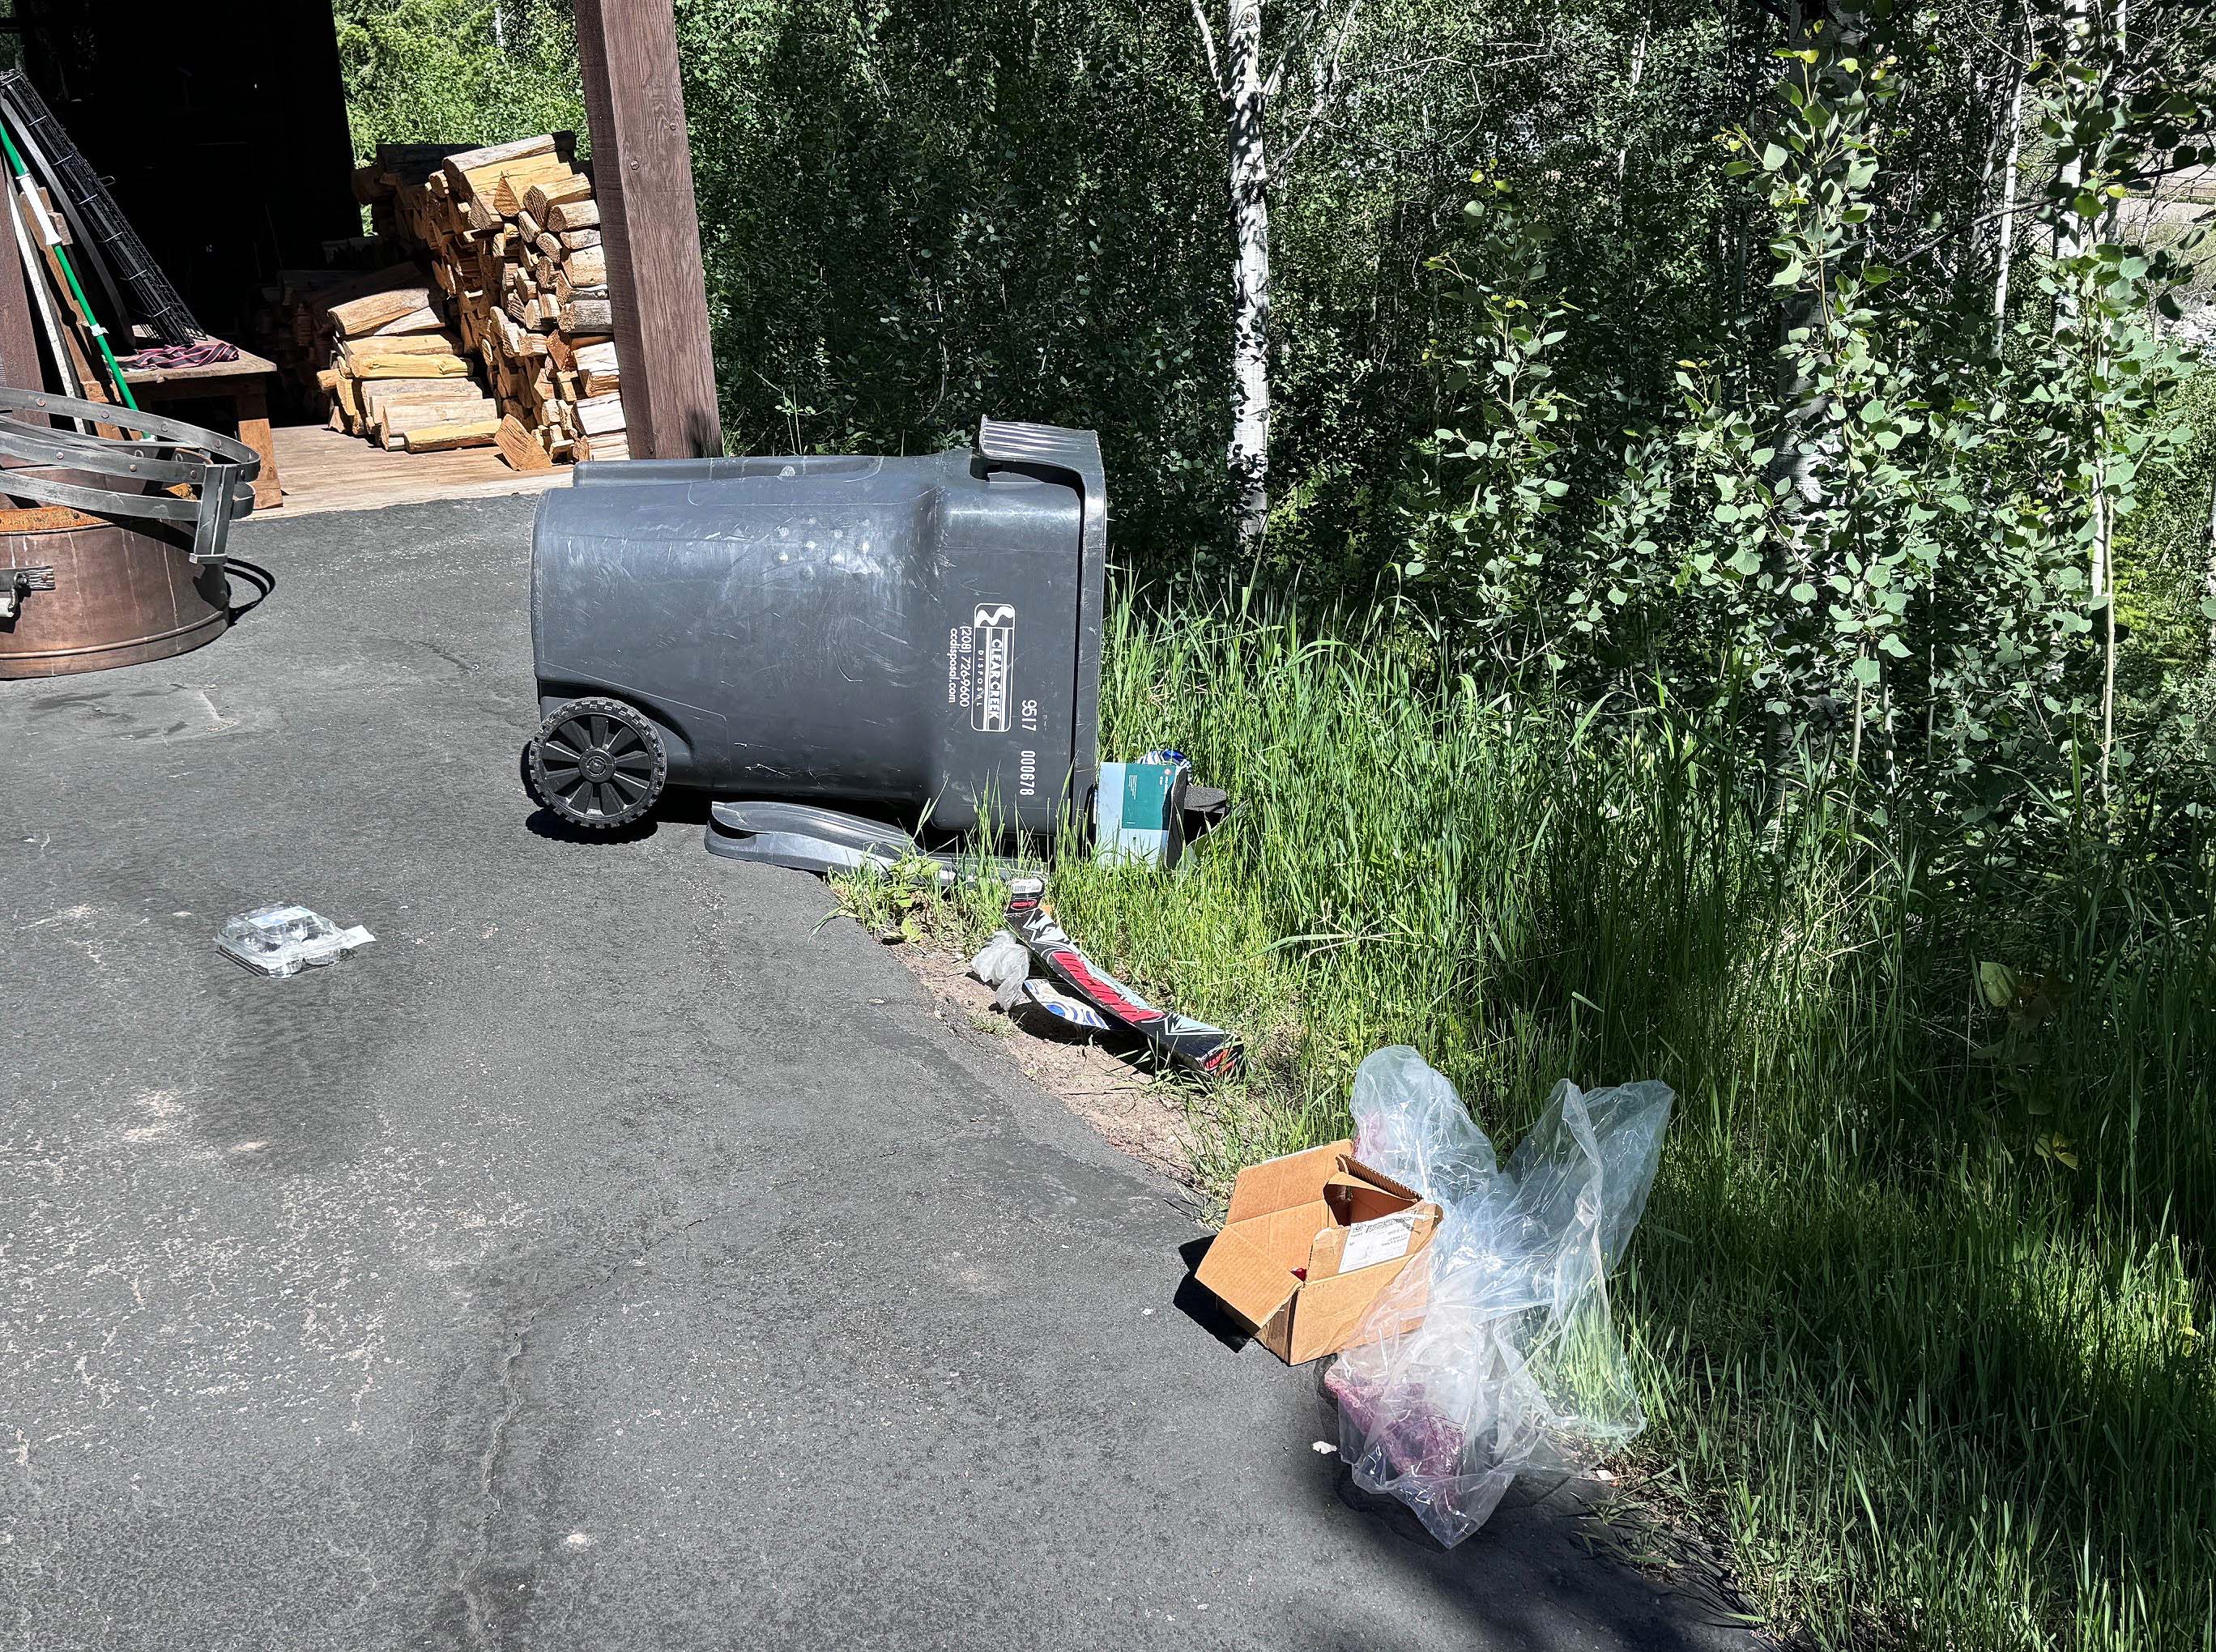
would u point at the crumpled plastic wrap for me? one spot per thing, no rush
(1004, 964)
(1500, 1358)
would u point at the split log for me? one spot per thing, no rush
(521, 449)
(378, 366)
(601, 415)
(554, 192)
(376, 310)
(425, 320)
(410, 344)
(463, 170)
(588, 316)
(440, 438)
(587, 266)
(514, 182)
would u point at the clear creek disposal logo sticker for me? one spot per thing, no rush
(979, 660)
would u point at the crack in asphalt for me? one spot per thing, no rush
(469, 1579)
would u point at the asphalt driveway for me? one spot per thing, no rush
(614, 1255)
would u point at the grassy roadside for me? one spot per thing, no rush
(1918, 1304)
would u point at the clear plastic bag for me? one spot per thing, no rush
(1004, 965)
(1500, 1359)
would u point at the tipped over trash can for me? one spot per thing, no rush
(915, 638)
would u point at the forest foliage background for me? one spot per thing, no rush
(916, 212)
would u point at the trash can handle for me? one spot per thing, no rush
(1074, 455)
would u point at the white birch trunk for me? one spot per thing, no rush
(1638, 70)
(2005, 253)
(2073, 238)
(1244, 99)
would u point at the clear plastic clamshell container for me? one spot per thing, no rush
(284, 939)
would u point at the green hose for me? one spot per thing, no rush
(68, 271)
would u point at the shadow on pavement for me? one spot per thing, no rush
(1547, 1571)
(1551, 1569)
(1201, 1305)
(254, 575)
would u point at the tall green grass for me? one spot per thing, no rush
(1918, 1306)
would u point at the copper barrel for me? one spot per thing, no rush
(111, 545)
(120, 593)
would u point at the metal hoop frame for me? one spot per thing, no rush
(221, 468)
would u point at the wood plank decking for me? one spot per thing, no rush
(324, 471)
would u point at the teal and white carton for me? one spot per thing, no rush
(1136, 814)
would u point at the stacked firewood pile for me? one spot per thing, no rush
(393, 369)
(498, 329)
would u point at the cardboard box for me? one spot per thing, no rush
(1138, 814)
(1312, 1240)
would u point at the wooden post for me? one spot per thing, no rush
(19, 340)
(18, 344)
(650, 227)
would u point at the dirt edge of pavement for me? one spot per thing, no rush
(1135, 1115)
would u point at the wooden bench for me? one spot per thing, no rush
(243, 384)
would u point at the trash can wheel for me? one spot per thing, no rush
(598, 763)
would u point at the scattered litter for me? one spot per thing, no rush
(1063, 1007)
(1323, 1448)
(1147, 813)
(1138, 811)
(1209, 1052)
(284, 939)
(1203, 808)
(1498, 1358)
(1004, 964)
(1311, 1241)
(1206, 808)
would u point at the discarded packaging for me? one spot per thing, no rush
(284, 939)
(1199, 1048)
(1050, 999)
(1312, 1241)
(1498, 1358)
(1138, 812)
(1004, 964)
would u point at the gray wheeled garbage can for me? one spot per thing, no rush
(918, 637)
